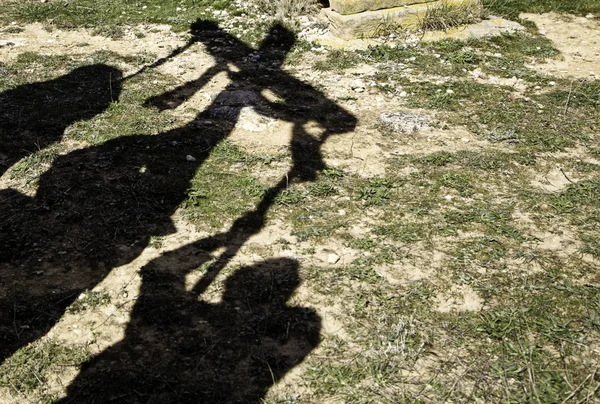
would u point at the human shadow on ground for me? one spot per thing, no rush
(34, 116)
(179, 349)
(97, 208)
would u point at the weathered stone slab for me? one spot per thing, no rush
(346, 7)
(375, 23)
(492, 26)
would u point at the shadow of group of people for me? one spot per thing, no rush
(96, 208)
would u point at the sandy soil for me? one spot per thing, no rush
(578, 39)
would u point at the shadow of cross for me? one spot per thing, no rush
(257, 71)
(97, 208)
(299, 103)
(179, 348)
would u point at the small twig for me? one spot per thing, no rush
(458, 378)
(352, 145)
(563, 173)
(271, 371)
(532, 381)
(587, 398)
(567, 380)
(15, 320)
(574, 392)
(66, 297)
(112, 315)
(568, 100)
(205, 354)
(110, 86)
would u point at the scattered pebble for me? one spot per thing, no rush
(190, 158)
(333, 258)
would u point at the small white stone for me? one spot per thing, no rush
(466, 140)
(342, 212)
(333, 258)
(448, 198)
(403, 94)
(552, 83)
(358, 83)
(448, 91)
(190, 158)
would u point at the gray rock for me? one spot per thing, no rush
(404, 121)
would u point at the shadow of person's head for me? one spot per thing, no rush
(273, 48)
(92, 89)
(34, 116)
(271, 282)
(78, 95)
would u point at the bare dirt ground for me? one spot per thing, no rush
(363, 152)
(578, 39)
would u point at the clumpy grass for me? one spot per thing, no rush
(31, 366)
(337, 60)
(512, 8)
(287, 10)
(89, 300)
(107, 17)
(447, 15)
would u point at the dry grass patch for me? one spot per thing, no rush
(447, 15)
